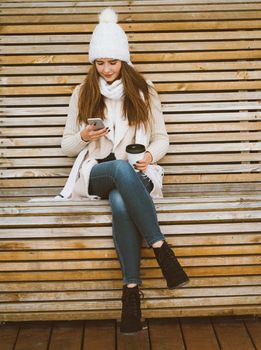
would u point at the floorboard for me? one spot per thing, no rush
(37, 334)
(99, 335)
(254, 330)
(66, 336)
(232, 334)
(166, 334)
(8, 336)
(199, 334)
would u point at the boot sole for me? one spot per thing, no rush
(179, 285)
(130, 332)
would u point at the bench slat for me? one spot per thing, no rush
(152, 313)
(177, 138)
(98, 5)
(136, 57)
(136, 47)
(135, 17)
(162, 6)
(116, 294)
(134, 27)
(218, 96)
(148, 67)
(111, 254)
(226, 216)
(96, 275)
(136, 37)
(219, 282)
(169, 170)
(161, 87)
(187, 262)
(169, 190)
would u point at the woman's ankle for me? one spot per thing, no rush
(131, 285)
(157, 244)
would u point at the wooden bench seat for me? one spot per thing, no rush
(57, 258)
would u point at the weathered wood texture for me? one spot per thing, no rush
(57, 260)
(199, 333)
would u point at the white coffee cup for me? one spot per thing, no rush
(135, 152)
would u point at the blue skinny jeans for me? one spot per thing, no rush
(133, 212)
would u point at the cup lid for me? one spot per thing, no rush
(135, 148)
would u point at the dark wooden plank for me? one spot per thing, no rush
(232, 334)
(8, 335)
(99, 335)
(199, 334)
(34, 336)
(165, 334)
(66, 336)
(136, 341)
(254, 330)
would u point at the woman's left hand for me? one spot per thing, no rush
(142, 164)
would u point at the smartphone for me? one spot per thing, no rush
(98, 122)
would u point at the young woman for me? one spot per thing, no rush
(130, 109)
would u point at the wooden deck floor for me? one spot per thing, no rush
(199, 333)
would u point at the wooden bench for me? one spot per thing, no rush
(57, 259)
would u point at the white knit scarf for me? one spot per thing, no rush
(113, 91)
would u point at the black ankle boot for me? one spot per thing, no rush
(131, 313)
(170, 267)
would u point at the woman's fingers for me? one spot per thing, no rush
(96, 134)
(142, 165)
(90, 134)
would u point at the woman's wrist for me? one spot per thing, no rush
(82, 134)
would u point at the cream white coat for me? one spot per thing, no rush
(155, 139)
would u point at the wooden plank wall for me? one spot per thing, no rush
(58, 261)
(203, 56)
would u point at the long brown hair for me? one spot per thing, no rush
(136, 103)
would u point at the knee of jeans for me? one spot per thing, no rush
(123, 167)
(117, 203)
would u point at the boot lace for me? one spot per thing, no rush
(131, 303)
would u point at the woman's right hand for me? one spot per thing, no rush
(89, 134)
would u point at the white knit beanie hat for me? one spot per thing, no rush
(108, 39)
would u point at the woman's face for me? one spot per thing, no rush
(108, 68)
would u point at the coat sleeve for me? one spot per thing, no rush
(72, 142)
(159, 141)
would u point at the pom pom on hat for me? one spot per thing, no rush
(108, 39)
(108, 16)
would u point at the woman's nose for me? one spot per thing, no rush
(106, 68)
